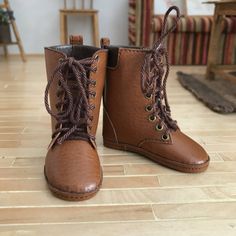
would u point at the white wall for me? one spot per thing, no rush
(38, 23)
(187, 7)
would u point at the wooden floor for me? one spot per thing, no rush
(138, 197)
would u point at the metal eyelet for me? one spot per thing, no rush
(96, 57)
(159, 127)
(148, 108)
(93, 95)
(152, 118)
(165, 137)
(94, 83)
(148, 96)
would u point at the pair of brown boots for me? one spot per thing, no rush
(136, 112)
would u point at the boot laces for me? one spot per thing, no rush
(73, 108)
(155, 71)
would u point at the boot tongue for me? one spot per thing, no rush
(79, 89)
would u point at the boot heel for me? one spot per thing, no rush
(113, 145)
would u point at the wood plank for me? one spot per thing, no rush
(105, 160)
(38, 184)
(108, 183)
(22, 151)
(217, 210)
(216, 132)
(6, 162)
(123, 197)
(76, 214)
(149, 228)
(132, 183)
(228, 156)
(22, 137)
(222, 167)
(111, 170)
(36, 172)
(230, 147)
(149, 169)
(203, 179)
(11, 130)
(219, 140)
(124, 159)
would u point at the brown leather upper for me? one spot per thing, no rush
(74, 166)
(126, 120)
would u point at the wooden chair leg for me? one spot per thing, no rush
(214, 53)
(95, 30)
(63, 28)
(18, 40)
(5, 50)
(66, 30)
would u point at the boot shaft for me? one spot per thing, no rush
(124, 102)
(137, 115)
(73, 53)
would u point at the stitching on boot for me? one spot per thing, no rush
(155, 140)
(129, 50)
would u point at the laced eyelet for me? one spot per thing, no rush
(148, 96)
(152, 118)
(93, 95)
(91, 107)
(165, 137)
(148, 108)
(159, 127)
(96, 57)
(94, 83)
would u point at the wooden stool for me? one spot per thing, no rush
(18, 42)
(222, 8)
(84, 12)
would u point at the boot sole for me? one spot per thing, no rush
(72, 196)
(183, 167)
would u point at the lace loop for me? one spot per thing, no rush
(155, 71)
(73, 108)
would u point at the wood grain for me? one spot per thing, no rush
(138, 196)
(161, 228)
(75, 214)
(219, 210)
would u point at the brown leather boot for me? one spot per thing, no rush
(137, 115)
(75, 83)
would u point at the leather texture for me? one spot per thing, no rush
(72, 169)
(126, 123)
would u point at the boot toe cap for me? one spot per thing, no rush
(73, 170)
(181, 153)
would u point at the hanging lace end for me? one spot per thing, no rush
(53, 141)
(93, 143)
